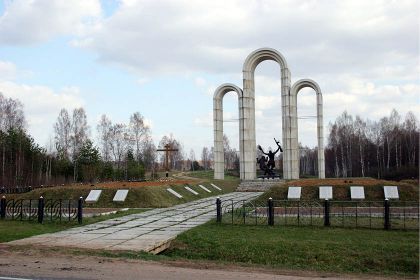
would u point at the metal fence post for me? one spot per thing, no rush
(218, 210)
(3, 207)
(80, 210)
(387, 223)
(326, 213)
(40, 210)
(270, 212)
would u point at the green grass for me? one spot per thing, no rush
(13, 229)
(302, 248)
(209, 175)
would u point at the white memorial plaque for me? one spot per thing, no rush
(204, 188)
(357, 192)
(174, 192)
(391, 192)
(120, 196)
(216, 187)
(191, 190)
(93, 196)
(325, 192)
(294, 193)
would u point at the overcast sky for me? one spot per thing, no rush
(164, 59)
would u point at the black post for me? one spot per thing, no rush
(40, 210)
(270, 212)
(218, 210)
(387, 223)
(3, 207)
(326, 213)
(80, 210)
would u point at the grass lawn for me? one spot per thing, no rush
(13, 229)
(303, 248)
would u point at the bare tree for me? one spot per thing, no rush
(118, 142)
(62, 129)
(360, 128)
(139, 131)
(104, 129)
(205, 158)
(80, 131)
(411, 138)
(148, 153)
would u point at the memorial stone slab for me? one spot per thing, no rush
(357, 192)
(174, 192)
(191, 190)
(216, 187)
(120, 196)
(204, 188)
(325, 192)
(391, 192)
(93, 196)
(294, 193)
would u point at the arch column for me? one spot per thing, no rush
(297, 86)
(248, 106)
(218, 152)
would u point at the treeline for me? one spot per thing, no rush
(125, 151)
(357, 147)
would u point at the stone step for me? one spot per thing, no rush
(259, 185)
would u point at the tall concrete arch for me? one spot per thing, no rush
(297, 86)
(249, 141)
(219, 158)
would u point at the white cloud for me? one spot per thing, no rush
(8, 70)
(42, 105)
(314, 36)
(200, 82)
(27, 22)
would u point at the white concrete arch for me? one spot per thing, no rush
(249, 142)
(297, 86)
(219, 158)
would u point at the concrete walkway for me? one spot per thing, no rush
(150, 231)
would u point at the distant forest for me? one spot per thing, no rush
(388, 148)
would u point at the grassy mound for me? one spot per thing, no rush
(140, 195)
(408, 190)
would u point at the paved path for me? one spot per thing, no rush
(150, 231)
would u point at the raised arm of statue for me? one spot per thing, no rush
(261, 149)
(278, 145)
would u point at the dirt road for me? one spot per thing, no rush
(32, 264)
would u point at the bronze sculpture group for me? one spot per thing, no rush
(267, 164)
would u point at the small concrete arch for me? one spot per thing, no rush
(219, 158)
(297, 86)
(249, 143)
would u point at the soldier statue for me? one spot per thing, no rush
(268, 169)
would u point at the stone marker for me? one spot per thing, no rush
(191, 190)
(325, 192)
(294, 193)
(120, 196)
(216, 187)
(93, 196)
(204, 188)
(174, 192)
(357, 192)
(391, 192)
